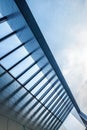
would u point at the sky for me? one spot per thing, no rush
(64, 26)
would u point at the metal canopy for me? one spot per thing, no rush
(33, 90)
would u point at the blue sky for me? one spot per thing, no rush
(64, 26)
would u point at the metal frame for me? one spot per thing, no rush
(22, 5)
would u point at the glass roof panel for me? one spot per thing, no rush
(28, 89)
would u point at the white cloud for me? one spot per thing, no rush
(64, 25)
(75, 66)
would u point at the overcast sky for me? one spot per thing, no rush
(64, 26)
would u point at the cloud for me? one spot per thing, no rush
(64, 26)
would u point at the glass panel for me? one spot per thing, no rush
(5, 79)
(22, 66)
(27, 75)
(27, 90)
(14, 57)
(4, 29)
(56, 93)
(1, 70)
(46, 90)
(41, 84)
(12, 42)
